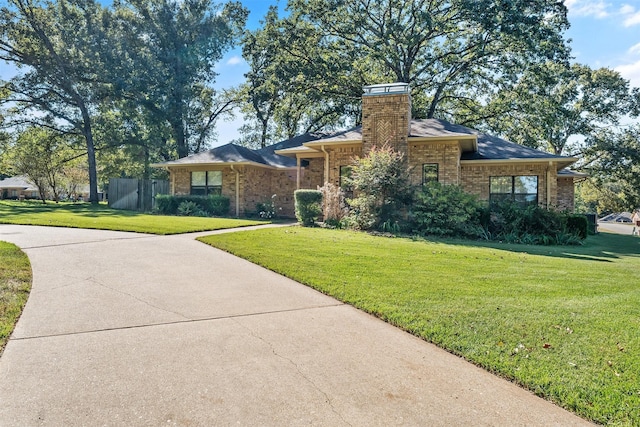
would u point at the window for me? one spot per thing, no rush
(429, 173)
(521, 189)
(204, 183)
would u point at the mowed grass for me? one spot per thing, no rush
(15, 284)
(85, 215)
(563, 322)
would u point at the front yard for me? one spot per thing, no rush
(84, 215)
(561, 321)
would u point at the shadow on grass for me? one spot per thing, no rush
(14, 209)
(603, 247)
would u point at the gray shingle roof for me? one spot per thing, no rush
(489, 147)
(17, 182)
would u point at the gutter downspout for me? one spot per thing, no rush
(237, 190)
(297, 172)
(326, 164)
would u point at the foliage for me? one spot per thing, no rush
(553, 102)
(382, 189)
(560, 321)
(101, 217)
(59, 45)
(15, 284)
(446, 210)
(49, 161)
(612, 159)
(283, 95)
(453, 54)
(190, 208)
(578, 225)
(512, 222)
(213, 205)
(268, 209)
(165, 55)
(334, 207)
(308, 206)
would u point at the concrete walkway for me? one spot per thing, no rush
(125, 329)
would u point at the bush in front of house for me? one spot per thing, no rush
(308, 204)
(578, 225)
(190, 208)
(446, 210)
(381, 183)
(213, 205)
(512, 222)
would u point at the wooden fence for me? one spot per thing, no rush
(135, 194)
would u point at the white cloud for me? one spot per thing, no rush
(234, 60)
(595, 8)
(631, 72)
(635, 49)
(629, 15)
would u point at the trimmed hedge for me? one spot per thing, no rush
(578, 225)
(211, 205)
(308, 206)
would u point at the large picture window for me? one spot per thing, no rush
(204, 183)
(429, 173)
(521, 189)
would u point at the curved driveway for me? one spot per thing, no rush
(125, 329)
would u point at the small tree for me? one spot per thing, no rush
(308, 206)
(37, 155)
(382, 189)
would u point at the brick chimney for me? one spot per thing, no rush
(386, 116)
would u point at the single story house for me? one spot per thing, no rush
(484, 165)
(18, 187)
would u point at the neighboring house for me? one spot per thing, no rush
(18, 187)
(487, 166)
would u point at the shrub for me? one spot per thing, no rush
(382, 186)
(190, 208)
(513, 223)
(211, 205)
(446, 210)
(268, 209)
(578, 225)
(308, 204)
(334, 208)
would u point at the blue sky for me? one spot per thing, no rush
(604, 34)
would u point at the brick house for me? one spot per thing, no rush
(18, 187)
(484, 165)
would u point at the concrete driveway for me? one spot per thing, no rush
(125, 329)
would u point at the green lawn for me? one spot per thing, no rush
(563, 322)
(15, 284)
(85, 215)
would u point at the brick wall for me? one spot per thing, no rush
(256, 185)
(386, 119)
(445, 153)
(566, 194)
(341, 156)
(312, 176)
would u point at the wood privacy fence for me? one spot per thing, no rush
(135, 194)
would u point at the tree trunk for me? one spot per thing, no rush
(91, 154)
